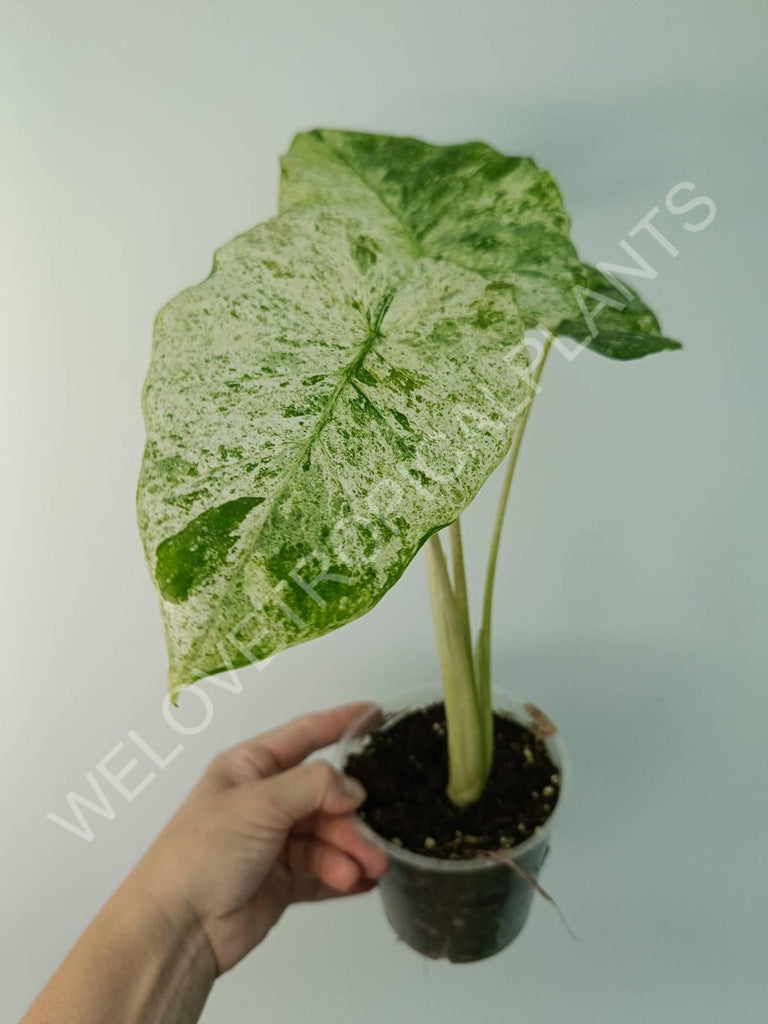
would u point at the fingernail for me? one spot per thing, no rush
(352, 788)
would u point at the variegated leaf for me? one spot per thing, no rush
(500, 216)
(319, 406)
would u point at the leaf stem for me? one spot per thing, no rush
(484, 637)
(460, 588)
(466, 757)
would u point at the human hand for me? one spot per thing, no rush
(262, 829)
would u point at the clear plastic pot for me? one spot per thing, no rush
(459, 910)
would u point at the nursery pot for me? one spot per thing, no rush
(459, 910)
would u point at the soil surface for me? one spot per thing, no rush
(404, 769)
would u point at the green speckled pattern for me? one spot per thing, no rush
(345, 380)
(315, 409)
(500, 216)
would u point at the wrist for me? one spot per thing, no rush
(165, 948)
(133, 965)
(163, 912)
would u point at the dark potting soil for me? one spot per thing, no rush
(404, 769)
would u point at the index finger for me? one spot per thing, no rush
(289, 744)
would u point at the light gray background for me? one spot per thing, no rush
(631, 600)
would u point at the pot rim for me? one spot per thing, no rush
(410, 700)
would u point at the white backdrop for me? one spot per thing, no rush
(631, 596)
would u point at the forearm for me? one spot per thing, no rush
(133, 965)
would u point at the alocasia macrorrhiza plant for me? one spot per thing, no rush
(340, 387)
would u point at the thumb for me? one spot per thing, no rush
(307, 788)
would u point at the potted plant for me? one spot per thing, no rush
(328, 400)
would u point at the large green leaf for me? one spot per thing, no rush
(500, 216)
(322, 403)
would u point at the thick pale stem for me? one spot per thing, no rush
(466, 757)
(460, 587)
(483, 662)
